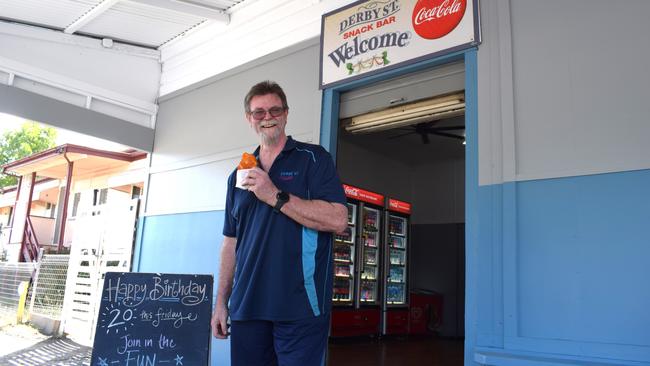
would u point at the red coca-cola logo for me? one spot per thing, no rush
(351, 191)
(360, 194)
(436, 18)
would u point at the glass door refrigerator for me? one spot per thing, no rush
(344, 250)
(357, 266)
(370, 247)
(395, 312)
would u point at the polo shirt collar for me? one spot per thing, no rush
(289, 145)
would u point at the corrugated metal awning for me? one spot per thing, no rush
(149, 23)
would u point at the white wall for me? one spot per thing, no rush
(44, 229)
(575, 101)
(256, 29)
(200, 135)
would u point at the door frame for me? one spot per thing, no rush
(328, 139)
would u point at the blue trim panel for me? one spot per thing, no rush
(329, 112)
(496, 357)
(309, 245)
(561, 269)
(471, 201)
(183, 243)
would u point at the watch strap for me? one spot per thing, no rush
(281, 199)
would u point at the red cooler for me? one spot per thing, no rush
(425, 312)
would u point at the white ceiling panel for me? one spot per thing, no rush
(141, 24)
(56, 14)
(149, 23)
(221, 4)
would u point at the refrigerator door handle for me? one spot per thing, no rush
(362, 258)
(386, 260)
(359, 261)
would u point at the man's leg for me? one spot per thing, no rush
(251, 343)
(302, 342)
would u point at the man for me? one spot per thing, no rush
(277, 244)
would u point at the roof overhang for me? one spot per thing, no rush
(53, 163)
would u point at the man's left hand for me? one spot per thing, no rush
(258, 182)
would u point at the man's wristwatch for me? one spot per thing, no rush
(282, 198)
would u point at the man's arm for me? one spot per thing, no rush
(314, 214)
(224, 288)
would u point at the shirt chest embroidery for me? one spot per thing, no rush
(288, 175)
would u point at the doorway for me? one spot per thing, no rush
(428, 163)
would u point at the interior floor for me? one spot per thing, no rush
(396, 351)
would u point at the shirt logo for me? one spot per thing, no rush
(288, 175)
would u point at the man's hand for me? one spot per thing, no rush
(220, 322)
(258, 182)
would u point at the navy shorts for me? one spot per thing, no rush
(283, 343)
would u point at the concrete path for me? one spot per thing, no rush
(50, 352)
(14, 337)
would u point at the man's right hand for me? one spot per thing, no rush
(220, 322)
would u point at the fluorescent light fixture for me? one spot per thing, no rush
(446, 106)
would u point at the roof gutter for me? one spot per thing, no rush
(70, 148)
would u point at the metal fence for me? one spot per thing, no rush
(48, 290)
(11, 277)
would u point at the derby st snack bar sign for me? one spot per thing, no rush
(368, 37)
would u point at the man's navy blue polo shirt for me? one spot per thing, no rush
(283, 270)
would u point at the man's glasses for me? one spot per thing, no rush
(259, 114)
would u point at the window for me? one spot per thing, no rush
(100, 196)
(136, 192)
(75, 203)
(103, 196)
(11, 211)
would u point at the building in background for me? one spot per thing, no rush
(57, 187)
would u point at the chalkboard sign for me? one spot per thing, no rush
(152, 319)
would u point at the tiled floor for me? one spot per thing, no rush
(396, 351)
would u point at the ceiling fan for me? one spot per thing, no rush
(429, 128)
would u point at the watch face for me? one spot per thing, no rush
(282, 196)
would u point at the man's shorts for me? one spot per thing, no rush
(284, 343)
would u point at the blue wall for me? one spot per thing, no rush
(562, 269)
(184, 243)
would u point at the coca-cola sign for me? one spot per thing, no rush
(433, 19)
(399, 206)
(369, 37)
(363, 195)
